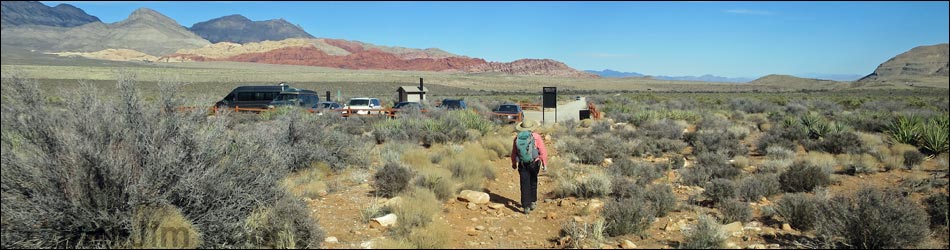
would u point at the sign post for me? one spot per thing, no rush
(550, 101)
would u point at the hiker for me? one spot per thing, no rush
(528, 156)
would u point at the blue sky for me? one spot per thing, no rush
(734, 39)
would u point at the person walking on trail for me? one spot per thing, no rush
(528, 156)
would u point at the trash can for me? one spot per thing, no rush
(585, 114)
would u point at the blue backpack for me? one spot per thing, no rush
(527, 150)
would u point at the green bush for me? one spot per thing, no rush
(710, 166)
(873, 219)
(391, 179)
(905, 129)
(627, 216)
(934, 135)
(439, 181)
(803, 177)
(799, 210)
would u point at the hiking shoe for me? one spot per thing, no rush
(527, 210)
(533, 206)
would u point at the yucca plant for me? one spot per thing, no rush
(934, 135)
(905, 129)
(816, 125)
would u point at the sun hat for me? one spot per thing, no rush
(526, 125)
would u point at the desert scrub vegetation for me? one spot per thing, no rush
(392, 179)
(800, 210)
(417, 210)
(804, 177)
(709, 166)
(76, 174)
(734, 210)
(628, 216)
(930, 135)
(440, 126)
(706, 234)
(753, 187)
(872, 219)
(584, 234)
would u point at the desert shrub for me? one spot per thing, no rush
(435, 235)
(163, 227)
(623, 187)
(750, 105)
(709, 166)
(754, 187)
(656, 147)
(627, 216)
(784, 135)
(719, 190)
(471, 167)
(740, 162)
(799, 210)
(597, 184)
(582, 150)
(711, 141)
(913, 158)
(642, 172)
(418, 209)
(498, 145)
(838, 143)
(271, 227)
(438, 180)
(662, 198)
(391, 179)
(859, 164)
(584, 235)
(867, 121)
(706, 234)
(873, 219)
(734, 210)
(738, 131)
(600, 127)
(822, 160)
(938, 209)
(775, 152)
(610, 146)
(662, 129)
(803, 177)
(121, 152)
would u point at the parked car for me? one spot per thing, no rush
(251, 96)
(359, 105)
(509, 112)
(327, 105)
(295, 97)
(453, 104)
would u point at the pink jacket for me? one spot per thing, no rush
(542, 150)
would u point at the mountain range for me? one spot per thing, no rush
(147, 35)
(239, 29)
(608, 73)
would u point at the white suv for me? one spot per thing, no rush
(360, 104)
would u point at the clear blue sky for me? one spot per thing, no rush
(734, 39)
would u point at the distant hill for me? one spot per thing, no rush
(794, 83)
(833, 77)
(925, 65)
(704, 78)
(347, 54)
(608, 73)
(145, 30)
(15, 13)
(239, 29)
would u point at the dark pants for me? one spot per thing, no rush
(529, 182)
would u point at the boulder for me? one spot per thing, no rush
(731, 228)
(331, 239)
(384, 221)
(627, 244)
(474, 196)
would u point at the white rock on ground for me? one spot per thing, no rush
(474, 196)
(385, 220)
(627, 244)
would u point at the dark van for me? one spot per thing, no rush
(252, 96)
(296, 97)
